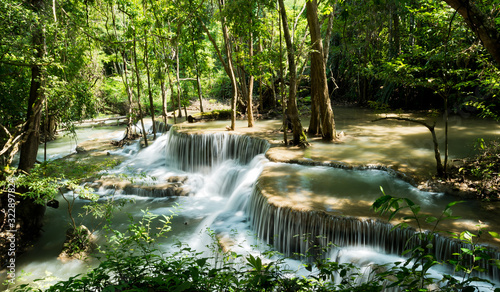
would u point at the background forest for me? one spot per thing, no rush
(64, 61)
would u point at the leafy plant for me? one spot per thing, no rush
(421, 257)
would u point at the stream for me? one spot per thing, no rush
(242, 196)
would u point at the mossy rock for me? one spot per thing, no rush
(217, 115)
(79, 243)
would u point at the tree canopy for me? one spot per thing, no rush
(64, 61)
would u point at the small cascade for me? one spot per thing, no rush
(293, 232)
(200, 153)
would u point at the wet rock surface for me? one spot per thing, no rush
(174, 187)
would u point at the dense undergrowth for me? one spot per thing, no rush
(132, 260)
(480, 172)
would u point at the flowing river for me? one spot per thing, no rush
(230, 187)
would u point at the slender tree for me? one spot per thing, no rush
(319, 86)
(292, 110)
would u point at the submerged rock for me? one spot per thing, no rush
(79, 244)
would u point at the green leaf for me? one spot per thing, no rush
(183, 287)
(453, 204)
(430, 219)
(381, 201)
(494, 234)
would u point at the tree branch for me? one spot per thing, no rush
(408, 120)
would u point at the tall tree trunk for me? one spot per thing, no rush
(31, 140)
(129, 94)
(292, 111)
(163, 101)
(124, 76)
(482, 25)
(171, 94)
(282, 85)
(198, 80)
(144, 134)
(150, 93)
(250, 81)
(177, 76)
(29, 214)
(318, 73)
(229, 67)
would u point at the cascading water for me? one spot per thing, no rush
(221, 171)
(325, 206)
(225, 169)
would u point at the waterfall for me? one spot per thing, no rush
(226, 190)
(201, 152)
(294, 232)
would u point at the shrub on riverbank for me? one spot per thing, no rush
(479, 174)
(133, 262)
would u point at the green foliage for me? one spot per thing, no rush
(46, 180)
(217, 115)
(414, 271)
(132, 260)
(485, 165)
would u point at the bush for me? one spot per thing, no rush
(133, 262)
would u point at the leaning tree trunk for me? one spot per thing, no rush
(437, 154)
(482, 25)
(318, 74)
(292, 111)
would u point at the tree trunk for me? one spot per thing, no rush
(150, 93)
(163, 101)
(144, 134)
(171, 93)
(229, 68)
(30, 215)
(31, 140)
(177, 75)
(318, 74)
(29, 147)
(482, 25)
(292, 111)
(250, 82)
(129, 95)
(198, 80)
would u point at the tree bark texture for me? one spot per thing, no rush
(482, 25)
(150, 93)
(292, 111)
(319, 86)
(31, 140)
(144, 134)
(229, 68)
